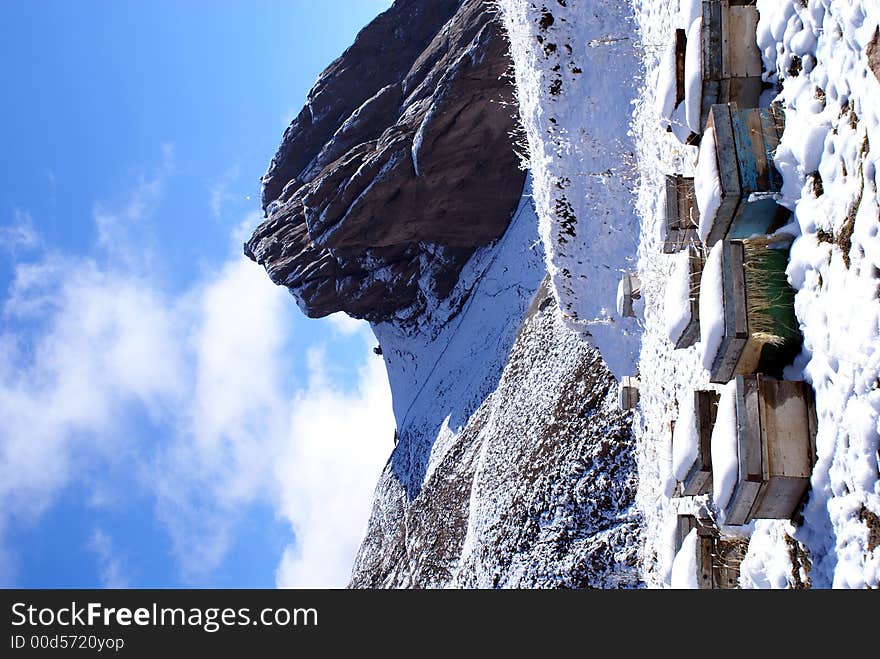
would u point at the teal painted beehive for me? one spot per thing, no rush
(745, 143)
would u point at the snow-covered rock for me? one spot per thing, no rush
(576, 69)
(535, 489)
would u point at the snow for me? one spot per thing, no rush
(711, 307)
(621, 296)
(678, 294)
(684, 568)
(689, 10)
(832, 119)
(582, 157)
(836, 305)
(685, 439)
(725, 456)
(442, 370)
(767, 563)
(693, 76)
(419, 139)
(666, 86)
(707, 184)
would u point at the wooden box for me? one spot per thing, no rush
(776, 447)
(628, 393)
(731, 61)
(628, 290)
(746, 141)
(718, 559)
(699, 478)
(691, 333)
(682, 216)
(742, 345)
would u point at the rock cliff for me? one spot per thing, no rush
(399, 166)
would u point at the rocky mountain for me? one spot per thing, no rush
(535, 491)
(397, 196)
(399, 166)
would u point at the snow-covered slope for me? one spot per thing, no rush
(536, 489)
(576, 72)
(441, 370)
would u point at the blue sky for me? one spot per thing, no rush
(167, 415)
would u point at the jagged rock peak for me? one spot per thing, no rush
(399, 166)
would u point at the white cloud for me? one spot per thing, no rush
(219, 192)
(111, 571)
(88, 340)
(20, 235)
(123, 233)
(339, 442)
(345, 324)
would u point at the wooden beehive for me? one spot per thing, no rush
(746, 335)
(682, 216)
(629, 289)
(628, 393)
(699, 478)
(731, 61)
(717, 559)
(746, 141)
(691, 333)
(776, 448)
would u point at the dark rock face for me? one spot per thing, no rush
(399, 166)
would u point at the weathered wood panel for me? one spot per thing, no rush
(776, 448)
(731, 62)
(699, 479)
(736, 328)
(681, 214)
(628, 393)
(749, 456)
(691, 333)
(744, 57)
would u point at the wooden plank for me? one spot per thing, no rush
(672, 220)
(691, 333)
(699, 479)
(711, 96)
(728, 558)
(812, 418)
(712, 45)
(724, 29)
(745, 57)
(749, 481)
(684, 525)
(770, 139)
(736, 334)
(763, 161)
(706, 409)
(746, 92)
(687, 202)
(787, 447)
(705, 547)
(745, 158)
(728, 170)
(680, 50)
